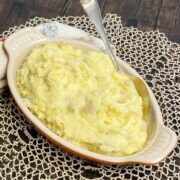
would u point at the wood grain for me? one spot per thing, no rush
(148, 14)
(74, 7)
(145, 14)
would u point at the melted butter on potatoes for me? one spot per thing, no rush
(80, 96)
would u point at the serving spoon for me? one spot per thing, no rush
(91, 8)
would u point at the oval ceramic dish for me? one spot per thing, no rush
(161, 140)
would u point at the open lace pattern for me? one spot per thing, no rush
(25, 153)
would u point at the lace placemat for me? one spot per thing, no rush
(24, 154)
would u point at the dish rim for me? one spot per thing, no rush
(53, 137)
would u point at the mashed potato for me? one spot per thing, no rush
(80, 96)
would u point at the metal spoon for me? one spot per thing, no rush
(91, 8)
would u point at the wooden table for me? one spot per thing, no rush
(144, 14)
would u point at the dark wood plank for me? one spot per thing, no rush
(22, 10)
(144, 14)
(167, 14)
(14, 16)
(177, 20)
(148, 14)
(4, 10)
(174, 34)
(74, 7)
(45, 8)
(167, 17)
(126, 8)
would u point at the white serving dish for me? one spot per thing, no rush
(161, 140)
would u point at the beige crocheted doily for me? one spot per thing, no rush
(24, 154)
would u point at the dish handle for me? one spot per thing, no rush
(163, 145)
(14, 43)
(3, 65)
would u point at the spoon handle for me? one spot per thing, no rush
(91, 8)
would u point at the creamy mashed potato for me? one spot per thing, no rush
(80, 96)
